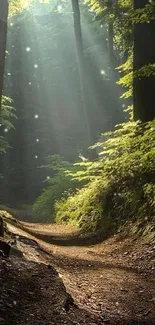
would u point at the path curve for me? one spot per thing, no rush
(105, 279)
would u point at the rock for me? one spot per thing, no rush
(5, 248)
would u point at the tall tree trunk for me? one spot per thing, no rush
(82, 68)
(112, 57)
(3, 35)
(144, 53)
(115, 90)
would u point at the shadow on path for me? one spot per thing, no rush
(70, 239)
(66, 261)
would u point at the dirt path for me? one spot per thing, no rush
(113, 280)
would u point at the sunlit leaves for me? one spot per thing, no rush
(7, 113)
(140, 16)
(97, 6)
(125, 3)
(121, 188)
(146, 71)
(17, 6)
(7, 116)
(127, 81)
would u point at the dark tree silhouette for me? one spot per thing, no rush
(144, 54)
(3, 35)
(82, 69)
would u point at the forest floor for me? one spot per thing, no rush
(111, 282)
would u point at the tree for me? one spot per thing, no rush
(82, 67)
(3, 35)
(144, 54)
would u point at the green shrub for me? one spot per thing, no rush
(7, 115)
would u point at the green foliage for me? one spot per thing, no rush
(140, 16)
(127, 80)
(121, 183)
(124, 17)
(59, 184)
(17, 6)
(7, 115)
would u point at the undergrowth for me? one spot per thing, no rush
(59, 184)
(119, 185)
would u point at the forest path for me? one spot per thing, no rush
(114, 279)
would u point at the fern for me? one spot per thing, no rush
(123, 186)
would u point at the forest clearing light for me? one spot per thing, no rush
(48, 177)
(36, 157)
(30, 83)
(35, 66)
(6, 130)
(37, 140)
(123, 105)
(36, 116)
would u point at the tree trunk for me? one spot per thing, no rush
(115, 90)
(3, 35)
(112, 57)
(82, 69)
(144, 53)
